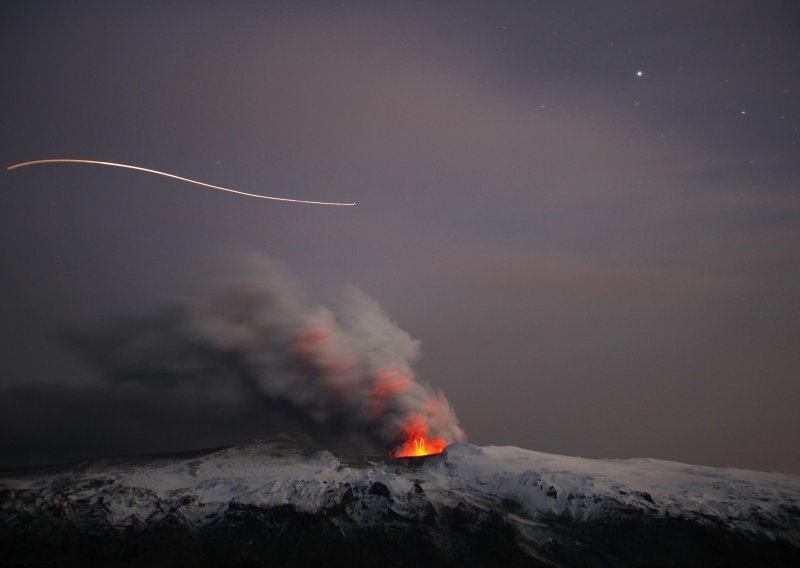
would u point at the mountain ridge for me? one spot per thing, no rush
(294, 503)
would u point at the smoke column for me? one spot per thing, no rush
(347, 370)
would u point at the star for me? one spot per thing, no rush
(639, 73)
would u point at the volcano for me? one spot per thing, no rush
(287, 502)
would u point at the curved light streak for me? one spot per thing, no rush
(165, 174)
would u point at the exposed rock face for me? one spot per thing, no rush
(285, 503)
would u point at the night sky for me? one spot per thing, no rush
(588, 213)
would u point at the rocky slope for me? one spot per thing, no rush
(286, 503)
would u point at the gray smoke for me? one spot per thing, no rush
(344, 372)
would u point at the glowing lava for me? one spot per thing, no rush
(417, 442)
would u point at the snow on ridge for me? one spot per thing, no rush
(267, 474)
(639, 474)
(581, 488)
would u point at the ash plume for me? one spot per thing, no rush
(345, 373)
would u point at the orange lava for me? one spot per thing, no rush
(417, 442)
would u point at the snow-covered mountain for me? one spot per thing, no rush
(284, 502)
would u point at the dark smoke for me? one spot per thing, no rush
(345, 373)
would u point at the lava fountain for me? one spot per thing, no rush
(417, 443)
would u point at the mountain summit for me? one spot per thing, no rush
(285, 502)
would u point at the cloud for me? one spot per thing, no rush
(564, 275)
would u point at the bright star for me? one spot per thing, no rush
(639, 73)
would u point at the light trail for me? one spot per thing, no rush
(173, 176)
